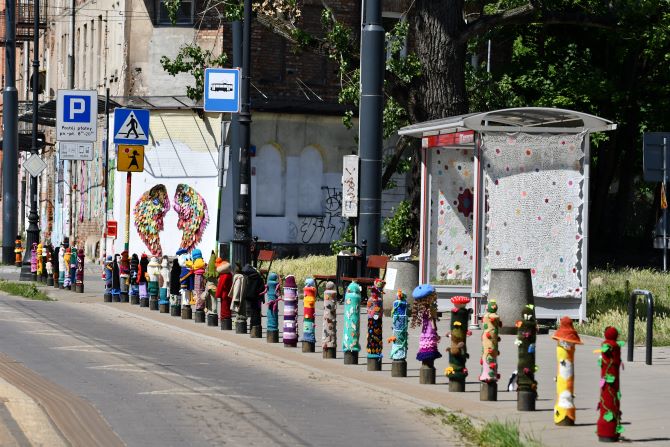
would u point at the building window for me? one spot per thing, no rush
(269, 181)
(310, 182)
(185, 13)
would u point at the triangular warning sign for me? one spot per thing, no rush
(131, 129)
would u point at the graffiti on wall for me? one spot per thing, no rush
(193, 217)
(149, 212)
(326, 228)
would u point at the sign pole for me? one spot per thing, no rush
(665, 210)
(127, 235)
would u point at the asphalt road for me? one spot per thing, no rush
(155, 384)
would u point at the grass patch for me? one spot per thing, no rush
(26, 290)
(490, 434)
(608, 303)
(303, 268)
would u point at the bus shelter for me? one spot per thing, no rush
(508, 189)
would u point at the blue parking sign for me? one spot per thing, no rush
(77, 109)
(77, 115)
(222, 90)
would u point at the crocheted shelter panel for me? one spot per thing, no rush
(451, 214)
(534, 192)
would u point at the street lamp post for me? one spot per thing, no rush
(242, 240)
(33, 231)
(10, 99)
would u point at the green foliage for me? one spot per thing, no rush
(347, 236)
(608, 303)
(490, 434)
(26, 290)
(193, 59)
(397, 229)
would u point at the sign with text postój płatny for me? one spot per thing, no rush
(77, 115)
(130, 158)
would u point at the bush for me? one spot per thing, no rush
(397, 229)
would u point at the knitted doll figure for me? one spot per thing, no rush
(79, 275)
(211, 277)
(609, 419)
(309, 303)
(124, 275)
(116, 280)
(56, 257)
(490, 327)
(198, 267)
(108, 272)
(48, 265)
(375, 311)
(566, 337)
(142, 278)
(175, 288)
(272, 297)
(38, 255)
(44, 255)
(424, 313)
(254, 296)
(352, 319)
(399, 325)
(164, 284)
(153, 273)
(290, 333)
(33, 258)
(62, 266)
(185, 277)
(223, 286)
(329, 339)
(18, 252)
(73, 268)
(66, 264)
(133, 278)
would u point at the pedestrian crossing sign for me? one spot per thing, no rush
(131, 126)
(130, 158)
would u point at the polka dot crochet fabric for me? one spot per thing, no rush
(534, 188)
(452, 214)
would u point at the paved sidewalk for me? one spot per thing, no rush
(644, 388)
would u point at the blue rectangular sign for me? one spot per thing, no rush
(131, 126)
(222, 90)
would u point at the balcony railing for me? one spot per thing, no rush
(25, 18)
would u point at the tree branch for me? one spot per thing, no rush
(520, 14)
(400, 148)
(286, 29)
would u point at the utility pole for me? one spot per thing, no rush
(67, 165)
(242, 240)
(10, 149)
(370, 125)
(105, 174)
(33, 232)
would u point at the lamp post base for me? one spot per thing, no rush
(272, 336)
(488, 391)
(399, 368)
(427, 373)
(375, 364)
(350, 358)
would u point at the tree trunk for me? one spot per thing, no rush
(440, 92)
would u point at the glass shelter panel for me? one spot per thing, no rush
(451, 215)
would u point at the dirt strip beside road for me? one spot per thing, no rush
(75, 421)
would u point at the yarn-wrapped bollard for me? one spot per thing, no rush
(609, 419)
(399, 337)
(79, 275)
(525, 340)
(375, 342)
(567, 338)
(352, 324)
(329, 339)
(107, 272)
(290, 329)
(490, 329)
(272, 299)
(458, 351)
(308, 314)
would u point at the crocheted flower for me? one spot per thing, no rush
(465, 202)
